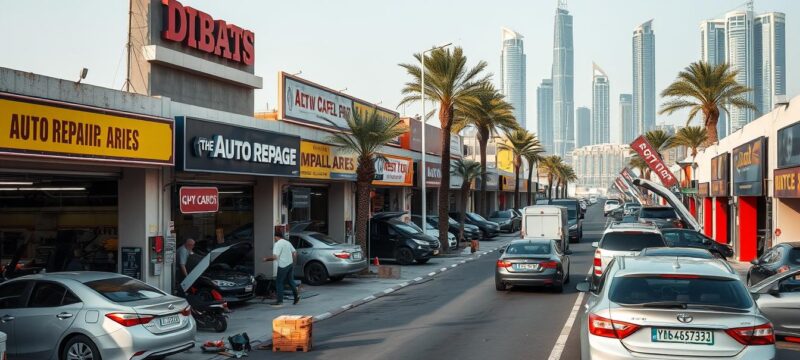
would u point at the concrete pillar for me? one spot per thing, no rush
(266, 215)
(721, 220)
(339, 203)
(139, 214)
(708, 217)
(748, 228)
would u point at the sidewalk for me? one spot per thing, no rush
(331, 299)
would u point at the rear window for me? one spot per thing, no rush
(794, 256)
(697, 292)
(658, 213)
(325, 239)
(475, 217)
(528, 249)
(506, 214)
(612, 202)
(694, 253)
(121, 289)
(630, 241)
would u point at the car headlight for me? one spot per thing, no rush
(422, 242)
(223, 283)
(252, 279)
(574, 227)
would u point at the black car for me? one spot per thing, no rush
(691, 238)
(508, 220)
(234, 281)
(664, 217)
(391, 238)
(488, 229)
(471, 232)
(779, 258)
(677, 251)
(574, 216)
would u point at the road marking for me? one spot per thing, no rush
(558, 348)
(369, 298)
(388, 290)
(417, 279)
(454, 265)
(403, 284)
(348, 306)
(432, 273)
(322, 316)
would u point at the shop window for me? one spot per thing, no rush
(306, 206)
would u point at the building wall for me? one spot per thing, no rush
(583, 122)
(629, 128)
(598, 165)
(740, 56)
(601, 110)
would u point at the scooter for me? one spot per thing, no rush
(208, 308)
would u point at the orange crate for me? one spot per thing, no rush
(291, 333)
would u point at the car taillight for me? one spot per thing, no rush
(187, 311)
(753, 335)
(598, 263)
(342, 255)
(503, 263)
(783, 268)
(128, 320)
(601, 326)
(549, 265)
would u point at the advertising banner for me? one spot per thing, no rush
(628, 174)
(365, 109)
(196, 200)
(509, 183)
(748, 168)
(51, 129)
(320, 161)
(433, 175)
(208, 146)
(654, 161)
(786, 183)
(719, 175)
(702, 189)
(492, 182)
(789, 146)
(394, 171)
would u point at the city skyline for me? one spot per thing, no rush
(512, 73)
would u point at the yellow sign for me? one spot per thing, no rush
(320, 161)
(36, 128)
(505, 158)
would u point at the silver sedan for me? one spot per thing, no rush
(92, 315)
(778, 298)
(321, 258)
(532, 263)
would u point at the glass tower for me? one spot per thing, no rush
(512, 73)
(712, 51)
(544, 114)
(629, 131)
(770, 60)
(644, 77)
(563, 91)
(583, 124)
(740, 57)
(601, 107)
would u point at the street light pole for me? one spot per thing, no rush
(424, 178)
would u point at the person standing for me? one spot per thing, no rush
(182, 255)
(284, 254)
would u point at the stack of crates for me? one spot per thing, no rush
(291, 333)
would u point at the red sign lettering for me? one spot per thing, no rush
(195, 200)
(653, 160)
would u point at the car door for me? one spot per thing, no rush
(783, 310)
(303, 254)
(762, 270)
(13, 297)
(563, 257)
(50, 312)
(380, 244)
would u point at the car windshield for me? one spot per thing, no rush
(408, 228)
(452, 222)
(475, 217)
(123, 289)
(504, 214)
(612, 202)
(679, 292)
(657, 213)
(325, 239)
(528, 249)
(794, 256)
(630, 241)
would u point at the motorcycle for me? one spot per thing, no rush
(208, 308)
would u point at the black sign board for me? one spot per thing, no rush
(789, 146)
(132, 262)
(748, 168)
(719, 175)
(301, 198)
(208, 146)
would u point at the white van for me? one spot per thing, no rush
(546, 222)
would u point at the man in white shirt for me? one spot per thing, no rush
(284, 254)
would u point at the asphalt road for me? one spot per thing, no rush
(459, 315)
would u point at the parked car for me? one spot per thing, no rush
(677, 251)
(489, 229)
(548, 222)
(780, 258)
(321, 258)
(574, 217)
(677, 308)
(778, 298)
(507, 219)
(630, 208)
(592, 199)
(224, 271)
(432, 230)
(92, 315)
(661, 216)
(623, 240)
(532, 263)
(694, 239)
(610, 205)
(391, 238)
(471, 232)
(687, 220)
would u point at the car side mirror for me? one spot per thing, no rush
(502, 249)
(584, 287)
(595, 244)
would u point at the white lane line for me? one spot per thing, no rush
(417, 278)
(369, 298)
(322, 316)
(345, 307)
(389, 290)
(443, 269)
(432, 273)
(454, 265)
(403, 284)
(558, 348)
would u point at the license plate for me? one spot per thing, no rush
(533, 267)
(435, 252)
(703, 337)
(170, 320)
(356, 256)
(248, 288)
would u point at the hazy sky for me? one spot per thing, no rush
(357, 44)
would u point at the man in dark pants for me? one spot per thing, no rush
(284, 254)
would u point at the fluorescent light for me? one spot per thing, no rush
(25, 183)
(231, 192)
(53, 189)
(8, 189)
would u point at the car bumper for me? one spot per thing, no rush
(488, 234)
(238, 293)
(124, 343)
(609, 348)
(574, 233)
(545, 278)
(507, 227)
(347, 267)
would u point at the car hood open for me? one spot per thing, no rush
(231, 255)
(673, 201)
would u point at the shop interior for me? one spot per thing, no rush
(307, 205)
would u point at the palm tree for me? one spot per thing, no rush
(368, 133)
(493, 113)
(706, 88)
(567, 175)
(533, 158)
(453, 86)
(657, 138)
(521, 142)
(468, 170)
(692, 137)
(638, 163)
(550, 164)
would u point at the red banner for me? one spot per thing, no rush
(653, 160)
(195, 200)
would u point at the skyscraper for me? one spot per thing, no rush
(740, 57)
(583, 125)
(562, 75)
(544, 115)
(712, 51)
(644, 77)
(629, 131)
(770, 60)
(512, 73)
(601, 107)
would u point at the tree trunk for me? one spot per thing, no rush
(516, 187)
(530, 180)
(463, 209)
(483, 198)
(712, 117)
(446, 118)
(365, 173)
(550, 187)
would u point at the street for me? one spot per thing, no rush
(459, 315)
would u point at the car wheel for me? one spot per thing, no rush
(404, 256)
(221, 324)
(316, 274)
(422, 261)
(80, 347)
(499, 285)
(336, 278)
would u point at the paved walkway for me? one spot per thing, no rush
(322, 302)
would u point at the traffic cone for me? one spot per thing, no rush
(376, 262)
